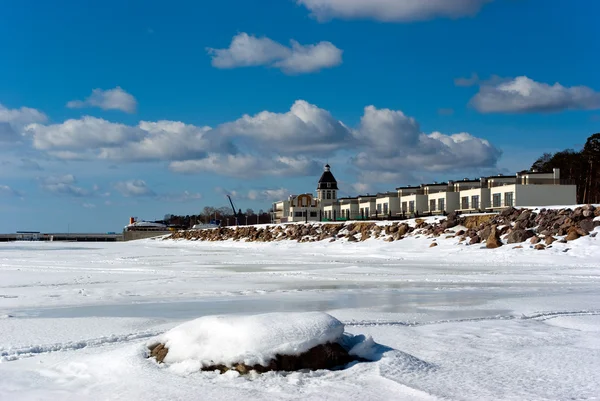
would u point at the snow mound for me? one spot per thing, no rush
(252, 340)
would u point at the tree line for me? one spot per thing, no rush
(223, 214)
(582, 167)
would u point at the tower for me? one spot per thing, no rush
(327, 187)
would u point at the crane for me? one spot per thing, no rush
(238, 214)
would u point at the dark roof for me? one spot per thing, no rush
(408, 187)
(386, 194)
(534, 172)
(327, 178)
(434, 184)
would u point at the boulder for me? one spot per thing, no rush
(587, 225)
(433, 244)
(549, 240)
(540, 247)
(516, 236)
(493, 240)
(475, 240)
(572, 234)
(535, 239)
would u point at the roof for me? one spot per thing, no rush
(435, 184)
(387, 194)
(408, 187)
(327, 178)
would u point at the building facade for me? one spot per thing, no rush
(493, 193)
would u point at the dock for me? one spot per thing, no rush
(70, 237)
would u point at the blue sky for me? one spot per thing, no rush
(140, 108)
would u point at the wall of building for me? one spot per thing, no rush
(545, 195)
(421, 205)
(135, 235)
(450, 202)
(393, 205)
(502, 190)
(484, 197)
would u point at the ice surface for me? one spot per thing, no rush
(450, 322)
(254, 339)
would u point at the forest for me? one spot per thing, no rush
(582, 167)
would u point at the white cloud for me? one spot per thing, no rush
(304, 129)
(96, 138)
(185, 196)
(524, 95)
(392, 145)
(63, 185)
(5, 190)
(134, 188)
(248, 166)
(392, 10)
(12, 122)
(268, 194)
(468, 81)
(110, 99)
(248, 51)
(88, 205)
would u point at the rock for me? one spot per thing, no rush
(587, 225)
(433, 244)
(475, 240)
(518, 247)
(325, 356)
(159, 352)
(518, 236)
(540, 247)
(535, 239)
(572, 234)
(460, 233)
(493, 240)
(549, 240)
(352, 238)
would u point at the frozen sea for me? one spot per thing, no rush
(454, 322)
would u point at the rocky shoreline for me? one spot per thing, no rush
(512, 226)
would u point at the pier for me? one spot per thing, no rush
(71, 237)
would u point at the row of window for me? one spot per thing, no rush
(508, 199)
(464, 202)
(382, 208)
(302, 214)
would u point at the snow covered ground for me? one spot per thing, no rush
(453, 321)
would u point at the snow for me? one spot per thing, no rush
(452, 322)
(252, 340)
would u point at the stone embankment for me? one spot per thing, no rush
(540, 227)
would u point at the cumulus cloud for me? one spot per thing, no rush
(392, 10)
(524, 95)
(250, 51)
(248, 166)
(12, 122)
(393, 143)
(110, 99)
(306, 128)
(96, 138)
(134, 188)
(63, 185)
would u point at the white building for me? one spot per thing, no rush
(387, 204)
(366, 206)
(528, 188)
(532, 189)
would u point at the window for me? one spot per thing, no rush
(313, 214)
(411, 206)
(441, 204)
(304, 201)
(291, 214)
(497, 200)
(508, 198)
(404, 207)
(379, 208)
(328, 185)
(328, 194)
(298, 214)
(347, 213)
(432, 205)
(464, 202)
(362, 211)
(475, 201)
(366, 211)
(385, 208)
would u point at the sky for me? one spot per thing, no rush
(111, 109)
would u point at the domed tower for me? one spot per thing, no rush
(327, 187)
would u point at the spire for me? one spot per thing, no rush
(327, 180)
